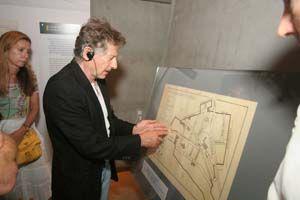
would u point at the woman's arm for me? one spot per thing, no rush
(18, 134)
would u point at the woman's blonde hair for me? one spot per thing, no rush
(25, 76)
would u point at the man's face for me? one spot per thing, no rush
(290, 20)
(106, 61)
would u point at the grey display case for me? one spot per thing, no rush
(277, 95)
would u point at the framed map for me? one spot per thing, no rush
(207, 134)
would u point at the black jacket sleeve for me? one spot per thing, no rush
(70, 118)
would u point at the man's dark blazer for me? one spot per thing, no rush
(76, 126)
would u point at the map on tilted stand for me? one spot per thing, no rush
(207, 134)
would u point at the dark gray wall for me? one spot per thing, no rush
(226, 34)
(145, 26)
(212, 34)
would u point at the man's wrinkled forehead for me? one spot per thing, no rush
(293, 4)
(291, 1)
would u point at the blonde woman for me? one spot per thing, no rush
(19, 105)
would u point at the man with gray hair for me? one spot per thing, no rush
(86, 135)
(286, 185)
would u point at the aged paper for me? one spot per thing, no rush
(207, 134)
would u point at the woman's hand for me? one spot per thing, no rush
(18, 134)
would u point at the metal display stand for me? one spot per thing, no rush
(277, 95)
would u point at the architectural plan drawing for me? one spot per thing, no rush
(207, 134)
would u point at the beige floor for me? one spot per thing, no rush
(127, 188)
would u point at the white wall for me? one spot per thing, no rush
(28, 15)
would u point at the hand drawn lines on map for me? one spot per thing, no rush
(201, 138)
(208, 131)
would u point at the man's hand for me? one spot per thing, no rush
(148, 125)
(152, 139)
